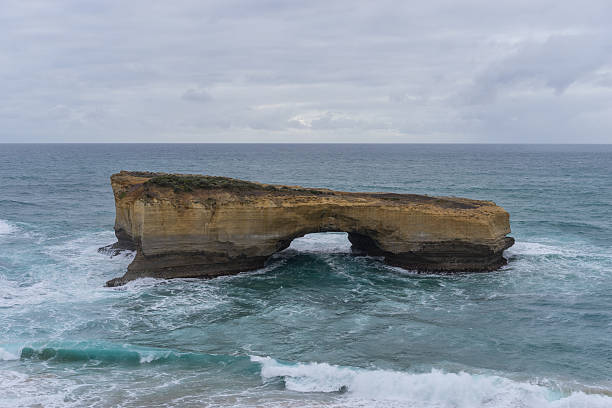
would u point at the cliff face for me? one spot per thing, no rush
(202, 226)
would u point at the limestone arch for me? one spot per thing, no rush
(204, 226)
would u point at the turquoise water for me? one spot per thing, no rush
(316, 327)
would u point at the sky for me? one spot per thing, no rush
(471, 71)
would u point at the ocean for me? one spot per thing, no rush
(317, 327)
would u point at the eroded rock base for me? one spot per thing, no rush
(186, 265)
(449, 257)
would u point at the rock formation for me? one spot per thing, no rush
(205, 226)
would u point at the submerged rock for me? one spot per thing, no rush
(205, 226)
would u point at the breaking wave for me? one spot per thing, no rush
(346, 386)
(433, 389)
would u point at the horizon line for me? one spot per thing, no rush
(316, 143)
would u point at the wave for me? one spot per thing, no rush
(347, 386)
(432, 389)
(19, 203)
(110, 353)
(67, 355)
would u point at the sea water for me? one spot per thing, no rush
(317, 327)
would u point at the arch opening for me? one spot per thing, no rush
(338, 242)
(321, 242)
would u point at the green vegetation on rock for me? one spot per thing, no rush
(192, 182)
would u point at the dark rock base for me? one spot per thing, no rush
(189, 265)
(449, 257)
(442, 257)
(124, 243)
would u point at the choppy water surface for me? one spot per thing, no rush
(317, 326)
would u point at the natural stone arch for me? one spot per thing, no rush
(203, 226)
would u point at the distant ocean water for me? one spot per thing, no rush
(316, 327)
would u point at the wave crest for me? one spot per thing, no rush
(110, 353)
(433, 389)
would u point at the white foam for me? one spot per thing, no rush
(7, 228)
(7, 355)
(35, 390)
(433, 389)
(536, 249)
(138, 285)
(328, 242)
(79, 260)
(148, 357)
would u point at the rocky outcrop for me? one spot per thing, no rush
(204, 226)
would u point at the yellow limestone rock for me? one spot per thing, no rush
(205, 226)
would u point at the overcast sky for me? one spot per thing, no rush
(519, 71)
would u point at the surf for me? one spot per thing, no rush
(432, 389)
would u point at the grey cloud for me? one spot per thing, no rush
(336, 120)
(557, 63)
(197, 95)
(272, 70)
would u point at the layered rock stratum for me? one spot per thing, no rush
(185, 225)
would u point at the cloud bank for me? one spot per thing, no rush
(317, 71)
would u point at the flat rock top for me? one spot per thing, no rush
(194, 183)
